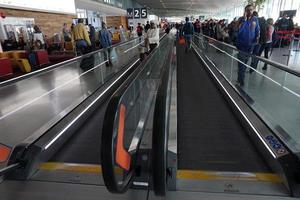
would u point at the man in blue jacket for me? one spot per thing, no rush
(188, 32)
(247, 38)
(106, 42)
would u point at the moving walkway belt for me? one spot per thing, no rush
(210, 137)
(84, 147)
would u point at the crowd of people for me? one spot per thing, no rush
(251, 34)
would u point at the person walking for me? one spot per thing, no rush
(266, 47)
(188, 32)
(152, 36)
(81, 37)
(139, 31)
(147, 27)
(106, 42)
(92, 35)
(262, 40)
(197, 26)
(248, 36)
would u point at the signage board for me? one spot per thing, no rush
(130, 13)
(137, 13)
(144, 13)
(57, 6)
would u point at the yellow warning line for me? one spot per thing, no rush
(181, 174)
(75, 168)
(238, 176)
(71, 167)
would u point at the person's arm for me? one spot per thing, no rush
(257, 31)
(109, 35)
(86, 36)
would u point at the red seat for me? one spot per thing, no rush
(5, 67)
(42, 57)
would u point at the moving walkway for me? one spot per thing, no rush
(178, 126)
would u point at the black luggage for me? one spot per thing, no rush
(87, 63)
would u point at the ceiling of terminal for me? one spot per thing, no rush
(184, 7)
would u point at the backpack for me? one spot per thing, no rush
(139, 29)
(188, 29)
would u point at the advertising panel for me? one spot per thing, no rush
(58, 6)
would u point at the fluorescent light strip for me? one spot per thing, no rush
(133, 47)
(47, 93)
(87, 108)
(254, 129)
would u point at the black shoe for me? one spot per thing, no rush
(251, 71)
(264, 68)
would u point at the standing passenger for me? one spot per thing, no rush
(81, 37)
(248, 36)
(188, 32)
(269, 39)
(152, 36)
(106, 42)
(92, 36)
(147, 27)
(139, 30)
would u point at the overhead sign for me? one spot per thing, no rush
(144, 13)
(58, 6)
(137, 13)
(130, 13)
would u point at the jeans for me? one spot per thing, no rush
(106, 54)
(188, 42)
(81, 46)
(255, 52)
(244, 59)
(266, 47)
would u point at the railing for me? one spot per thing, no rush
(161, 129)
(272, 92)
(127, 118)
(30, 107)
(66, 63)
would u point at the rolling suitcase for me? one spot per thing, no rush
(5, 67)
(24, 65)
(87, 63)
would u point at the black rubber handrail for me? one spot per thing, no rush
(107, 141)
(160, 132)
(272, 63)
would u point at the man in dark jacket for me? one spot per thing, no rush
(147, 27)
(262, 40)
(92, 34)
